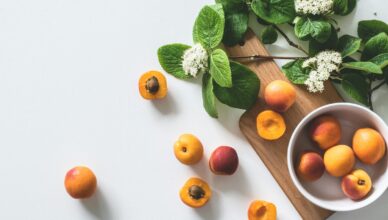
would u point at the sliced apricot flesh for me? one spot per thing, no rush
(195, 193)
(261, 210)
(270, 125)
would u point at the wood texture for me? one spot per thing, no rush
(274, 153)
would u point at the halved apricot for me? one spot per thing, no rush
(195, 193)
(153, 85)
(261, 210)
(270, 125)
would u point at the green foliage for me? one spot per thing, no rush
(315, 28)
(355, 86)
(208, 98)
(236, 21)
(170, 58)
(381, 60)
(295, 73)
(274, 11)
(344, 7)
(370, 28)
(220, 68)
(375, 46)
(246, 86)
(269, 35)
(368, 67)
(316, 47)
(209, 27)
(348, 45)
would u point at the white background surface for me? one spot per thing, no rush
(69, 96)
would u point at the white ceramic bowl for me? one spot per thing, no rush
(326, 192)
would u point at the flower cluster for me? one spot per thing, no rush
(314, 7)
(195, 60)
(322, 65)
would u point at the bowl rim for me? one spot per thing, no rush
(290, 164)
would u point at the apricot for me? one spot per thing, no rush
(325, 130)
(339, 160)
(368, 145)
(223, 161)
(153, 85)
(188, 149)
(195, 193)
(261, 210)
(270, 125)
(80, 182)
(279, 95)
(310, 166)
(357, 184)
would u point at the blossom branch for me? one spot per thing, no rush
(265, 57)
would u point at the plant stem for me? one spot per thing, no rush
(265, 57)
(290, 42)
(370, 104)
(378, 86)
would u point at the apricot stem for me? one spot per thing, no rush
(361, 182)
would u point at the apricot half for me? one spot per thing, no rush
(339, 160)
(368, 145)
(195, 193)
(80, 182)
(270, 125)
(261, 210)
(153, 85)
(325, 131)
(188, 149)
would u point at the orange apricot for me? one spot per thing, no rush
(357, 184)
(339, 160)
(153, 85)
(270, 125)
(368, 145)
(325, 130)
(80, 182)
(261, 210)
(188, 149)
(279, 95)
(195, 193)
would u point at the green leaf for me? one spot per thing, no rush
(316, 47)
(245, 90)
(208, 98)
(269, 35)
(170, 58)
(375, 46)
(344, 7)
(220, 68)
(348, 45)
(380, 60)
(236, 21)
(209, 27)
(295, 73)
(355, 86)
(369, 28)
(363, 66)
(317, 28)
(274, 11)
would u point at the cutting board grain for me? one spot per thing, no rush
(274, 153)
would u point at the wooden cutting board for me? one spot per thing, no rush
(274, 153)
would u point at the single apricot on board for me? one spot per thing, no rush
(188, 149)
(279, 95)
(261, 210)
(325, 130)
(80, 182)
(368, 145)
(339, 160)
(153, 85)
(195, 193)
(270, 125)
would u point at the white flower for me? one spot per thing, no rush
(314, 7)
(322, 65)
(195, 60)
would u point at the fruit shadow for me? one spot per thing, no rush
(212, 209)
(166, 106)
(97, 206)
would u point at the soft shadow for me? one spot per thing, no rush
(229, 118)
(97, 206)
(237, 183)
(212, 209)
(166, 106)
